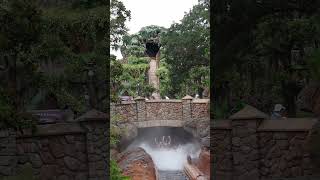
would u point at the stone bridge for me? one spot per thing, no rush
(166, 113)
(190, 114)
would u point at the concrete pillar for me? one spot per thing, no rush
(245, 150)
(141, 108)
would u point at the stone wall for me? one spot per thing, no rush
(250, 146)
(60, 151)
(8, 152)
(221, 150)
(164, 110)
(150, 113)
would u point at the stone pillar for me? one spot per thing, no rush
(8, 153)
(189, 125)
(97, 144)
(141, 108)
(186, 108)
(245, 143)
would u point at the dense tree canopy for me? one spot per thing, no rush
(186, 51)
(57, 54)
(261, 52)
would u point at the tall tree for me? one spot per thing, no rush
(186, 50)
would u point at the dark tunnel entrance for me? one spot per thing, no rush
(152, 49)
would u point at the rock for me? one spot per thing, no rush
(47, 157)
(56, 149)
(137, 164)
(81, 176)
(203, 163)
(36, 161)
(63, 177)
(236, 141)
(48, 171)
(71, 163)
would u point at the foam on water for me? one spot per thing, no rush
(171, 159)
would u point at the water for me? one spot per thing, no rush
(171, 159)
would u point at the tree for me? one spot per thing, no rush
(119, 15)
(260, 52)
(186, 46)
(20, 29)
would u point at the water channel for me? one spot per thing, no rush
(169, 149)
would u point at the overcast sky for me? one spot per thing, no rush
(155, 12)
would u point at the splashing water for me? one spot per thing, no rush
(171, 158)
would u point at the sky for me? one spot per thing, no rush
(155, 12)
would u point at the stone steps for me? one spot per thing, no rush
(172, 175)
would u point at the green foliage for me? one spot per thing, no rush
(118, 17)
(133, 78)
(19, 32)
(58, 50)
(163, 74)
(115, 172)
(186, 46)
(260, 54)
(134, 45)
(115, 132)
(115, 74)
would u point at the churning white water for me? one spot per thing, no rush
(171, 158)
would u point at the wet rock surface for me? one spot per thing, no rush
(137, 164)
(203, 163)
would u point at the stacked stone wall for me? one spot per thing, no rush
(222, 154)
(163, 111)
(200, 110)
(261, 149)
(60, 151)
(54, 157)
(126, 112)
(8, 152)
(175, 113)
(284, 154)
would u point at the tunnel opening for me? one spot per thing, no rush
(152, 48)
(169, 147)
